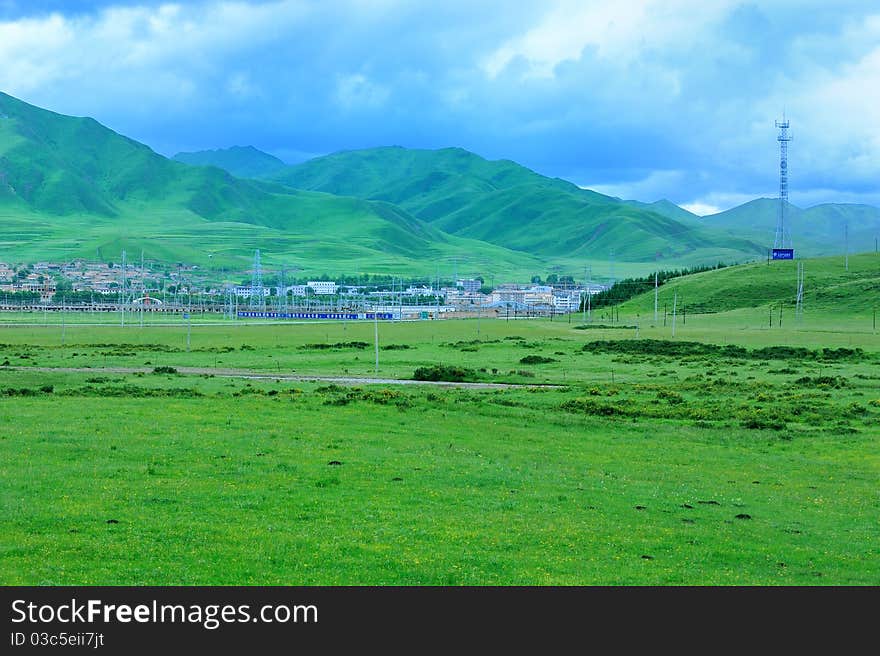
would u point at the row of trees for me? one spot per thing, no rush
(625, 289)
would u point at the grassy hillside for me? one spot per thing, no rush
(567, 225)
(828, 287)
(507, 204)
(668, 209)
(69, 187)
(240, 161)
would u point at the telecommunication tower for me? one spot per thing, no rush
(783, 232)
(257, 299)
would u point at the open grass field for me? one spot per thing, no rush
(731, 454)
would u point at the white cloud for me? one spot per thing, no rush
(654, 186)
(701, 209)
(622, 31)
(357, 91)
(158, 54)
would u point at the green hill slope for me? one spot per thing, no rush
(828, 286)
(509, 205)
(70, 187)
(668, 209)
(240, 161)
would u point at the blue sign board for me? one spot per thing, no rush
(783, 253)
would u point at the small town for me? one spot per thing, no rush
(81, 285)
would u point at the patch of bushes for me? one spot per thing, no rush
(669, 348)
(164, 370)
(593, 407)
(395, 347)
(20, 391)
(673, 398)
(159, 348)
(447, 373)
(835, 382)
(763, 423)
(379, 397)
(536, 359)
(337, 345)
(133, 391)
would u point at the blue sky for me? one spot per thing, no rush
(641, 99)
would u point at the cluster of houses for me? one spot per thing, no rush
(81, 276)
(467, 295)
(38, 278)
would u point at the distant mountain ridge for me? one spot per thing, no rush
(240, 161)
(509, 205)
(824, 229)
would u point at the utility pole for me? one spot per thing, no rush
(656, 292)
(674, 304)
(611, 267)
(479, 313)
(799, 303)
(122, 294)
(143, 288)
(376, 335)
(846, 244)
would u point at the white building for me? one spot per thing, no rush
(295, 290)
(507, 295)
(567, 300)
(245, 291)
(470, 284)
(323, 287)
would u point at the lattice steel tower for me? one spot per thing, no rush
(783, 232)
(257, 299)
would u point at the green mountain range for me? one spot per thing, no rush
(509, 205)
(70, 187)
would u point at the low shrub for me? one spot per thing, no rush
(442, 372)
(536, 359)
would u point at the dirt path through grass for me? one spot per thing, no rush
(251, 375)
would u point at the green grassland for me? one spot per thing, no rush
(732, 453)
